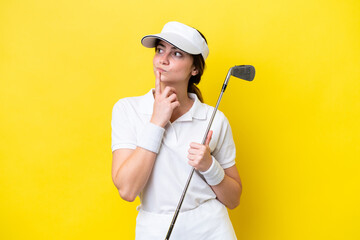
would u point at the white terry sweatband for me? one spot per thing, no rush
(151, 137)
(215, 174)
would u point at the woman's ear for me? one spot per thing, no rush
(194, 72)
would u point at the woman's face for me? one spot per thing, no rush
(174, 65)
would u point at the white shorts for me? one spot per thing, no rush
(209, 221)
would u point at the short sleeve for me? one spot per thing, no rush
(225, 151)
(123, 133)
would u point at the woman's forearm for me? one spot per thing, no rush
(229, 190)
(131, 171)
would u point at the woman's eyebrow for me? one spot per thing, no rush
(178, 49)
(161, 45)
(172, 47)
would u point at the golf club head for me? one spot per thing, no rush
(245, 72)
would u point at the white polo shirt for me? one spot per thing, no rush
(171, 170)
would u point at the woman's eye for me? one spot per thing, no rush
(159, 50)
(178, 54)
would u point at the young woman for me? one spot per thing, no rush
(155, 142)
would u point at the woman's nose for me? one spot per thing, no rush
(164, 58)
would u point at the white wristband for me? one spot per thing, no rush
(151, 137)
(215, 174)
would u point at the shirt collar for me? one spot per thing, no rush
(197, 111)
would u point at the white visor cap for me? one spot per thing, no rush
(185, 38)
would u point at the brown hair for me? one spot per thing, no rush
(199, 64)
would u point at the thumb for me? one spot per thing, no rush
(208, 138)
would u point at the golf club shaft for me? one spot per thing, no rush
(193, 169)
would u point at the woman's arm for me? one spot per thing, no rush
(131, 170)
(228, 191)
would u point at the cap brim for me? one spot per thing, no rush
(174, 39)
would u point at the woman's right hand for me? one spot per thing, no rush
(165, 103)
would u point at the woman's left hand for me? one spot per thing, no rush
(200, 155)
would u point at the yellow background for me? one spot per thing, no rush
(63, 65)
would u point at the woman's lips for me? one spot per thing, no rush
(160, 70)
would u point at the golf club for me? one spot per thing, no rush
(245, 72)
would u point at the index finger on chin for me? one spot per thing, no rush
(157, 83)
